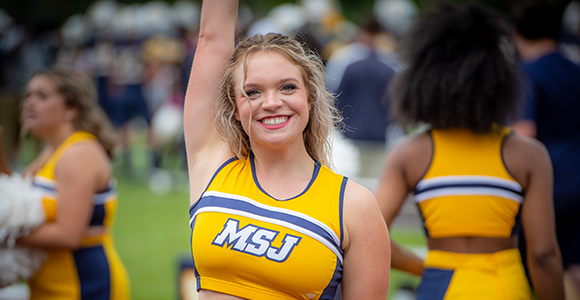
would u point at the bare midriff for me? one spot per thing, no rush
(471, 244)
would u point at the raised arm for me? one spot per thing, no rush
(205, 149)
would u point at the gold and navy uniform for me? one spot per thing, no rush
(248, 244)
(92, 272)
(467, 191)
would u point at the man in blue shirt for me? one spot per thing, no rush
(551, 113)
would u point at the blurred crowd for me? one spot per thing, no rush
(140, 55)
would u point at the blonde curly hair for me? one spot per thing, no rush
(323, 117)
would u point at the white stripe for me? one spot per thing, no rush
(272, 221)
(276, 209)
(45, 181)
(468, 191)
(98, 199)
(426, 183)
(104, 197)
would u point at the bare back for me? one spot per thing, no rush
(411, 159)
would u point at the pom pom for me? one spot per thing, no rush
(19, 263)
(21, 211)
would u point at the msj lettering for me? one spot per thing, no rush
(255, 240)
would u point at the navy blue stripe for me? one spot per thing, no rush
(330, 290)
(434, 284)
(210, 201)
(93, 272)
(467, 185)
(210, 181)
(197, 278)
(518, 223)
(510, 133)
(314, 175)
(422, 220)
(341, 206)
(44, 187)
(98, 217)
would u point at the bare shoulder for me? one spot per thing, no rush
(358, 202)
(360, 207)
(523, 150)
(525, 145)
(356, 194)
(524, 156)
(86, 153)
(410, 157)
(84, 162)
(412, 146)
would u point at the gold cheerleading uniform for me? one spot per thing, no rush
(467, 191)
(248, 244)
(92, 272)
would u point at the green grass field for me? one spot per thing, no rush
(150, 233)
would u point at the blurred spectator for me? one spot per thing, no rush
(163, 90)
(551, 110)
(570, 41)
(361, 95)
(119, 75)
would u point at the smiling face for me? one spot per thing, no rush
(44, 109)
(277, 110)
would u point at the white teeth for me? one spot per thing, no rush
(274, 121)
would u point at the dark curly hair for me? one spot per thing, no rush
(458, 73)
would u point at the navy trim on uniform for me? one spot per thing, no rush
(434, 284)
(341, 208)
(422, 220)
(330, 290)
(430, 133)
(98, 217)
(212, 178)
(197, 278)
(504, 139)
(93, 273)
(314, 175)
(518, 223)
(467, 185)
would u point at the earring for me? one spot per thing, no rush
(68, 115)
